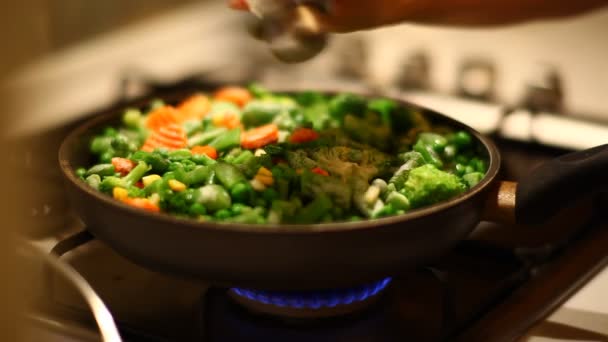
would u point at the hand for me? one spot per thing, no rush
(355, 15)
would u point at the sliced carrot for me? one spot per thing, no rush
(142, 203)
(260, 136)
(236, 95)
(302, 135)
(209, 151)
(171, 136)
(122, 165)
(194, 108)
(320, 171)
(161, 117)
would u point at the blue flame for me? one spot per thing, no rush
(316, 299)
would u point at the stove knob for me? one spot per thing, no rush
(476, 80)
(415, 72)
(544, 91)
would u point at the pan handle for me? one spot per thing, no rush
(551, 187)
(561, 182)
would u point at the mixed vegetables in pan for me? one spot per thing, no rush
(247, 155)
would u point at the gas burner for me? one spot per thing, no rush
(313, 304)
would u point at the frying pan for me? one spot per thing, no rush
(328, 255)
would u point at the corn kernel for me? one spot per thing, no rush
(150, 179)
(120, 193)
(257, 185)
(176, 185)
(268, 181)
(259, 152)
(218, 119)
(264, 172)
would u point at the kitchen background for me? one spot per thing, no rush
(542, 83)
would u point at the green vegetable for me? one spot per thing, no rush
(195, 177)
(471, 179)
(227, 140)
(260, 112)
(427, 185)
(398, 201)
(428, 153)
(203, 159)
(132, 118)
(94, 181)
(158, 163)
(197, 209)
(179, 155)
(372, 159)
(214, 197)
(258, 91)
(101, 170)
(228, 174)
(81, 172)
(345, 104)
(314, 211)
(242, 192)
(462, 140)
(201, 139)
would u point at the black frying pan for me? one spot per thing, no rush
(299, 257)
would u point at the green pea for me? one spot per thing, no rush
(81, 172)
(132, 118)
(197, 209)
(463, 139)
(223, 214)
(106, 157)
(460, 169)
(241, 192)
(450, 152)
(469, 169)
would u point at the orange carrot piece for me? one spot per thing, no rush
(302, 135)
(209, 151)
(142, 203)
(194, 108)
(161, 117)
(236, 95)
(171, 136)
(122, 165)
(260, 136)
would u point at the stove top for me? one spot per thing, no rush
(492, 287)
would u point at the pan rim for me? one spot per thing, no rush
(68, 172)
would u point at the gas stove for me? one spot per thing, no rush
(492, 287)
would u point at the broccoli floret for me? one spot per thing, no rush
(428, 185)
(339, 191)
(411, 160)
(344, 104)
